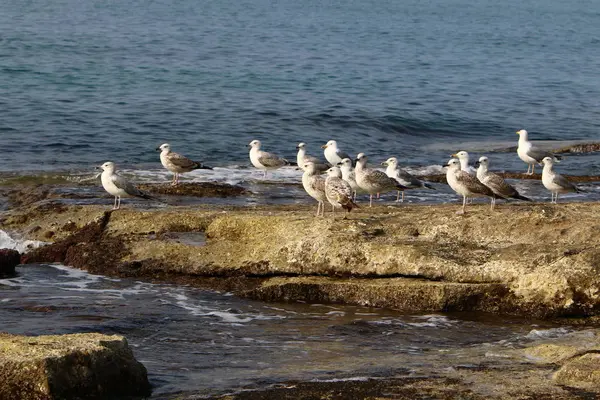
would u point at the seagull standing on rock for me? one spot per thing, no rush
(263, 160)
(403, 177)
(118, 186)
(314, 185)
(333, 154)
(338, 191)
(529, 153)
(373, 181)
(176, 163)
(555, 183)
(496, 182)
(302, 158)
(467, 185)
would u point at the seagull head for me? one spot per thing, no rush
(453, 164)
(301, 146)
(483, 160)
(107, 166)
(346, 162)
(548, 161)
(391, 162)
(309, 167)
(522, 132)
(255, 144)
(331, 143)
(164, 147)
(361, 158)
(334, 172)
(461, 155)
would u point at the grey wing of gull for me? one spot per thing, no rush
(271, 160)
(473, 184)
(342, 154)
(538, 154)
(181, 161)
(319, 165)
(499, 185)
(407, 179)
(376, 177)
(127, 186)
(564, 183)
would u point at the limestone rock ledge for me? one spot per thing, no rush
(87, 365)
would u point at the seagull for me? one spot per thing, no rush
(463, 157)
(338, 191)
(263, 160)
(372, 180)
(314, 184)
(119, 186)
(302, 158)
(530, 154)
(496, 182)
(333, 155)
(555, 183)
(176, 163)
(403, 177)
(349, 176)
(467, 185)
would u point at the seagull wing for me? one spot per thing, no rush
(271, 160)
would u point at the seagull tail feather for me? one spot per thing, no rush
(519, 197)
(428, 186)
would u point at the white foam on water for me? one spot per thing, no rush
(22, 246)
(547, 333)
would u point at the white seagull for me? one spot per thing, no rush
(314, 185)
(333, 154)
(263, 160)
(119, 186)
(555, 183)
(176, 163)
(372, 180)
(403, 177)
(302, 158)
(529, 153)
(467, 185)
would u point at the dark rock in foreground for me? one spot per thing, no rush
(88, 365)
(9, 259)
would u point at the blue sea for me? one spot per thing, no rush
(83, 82)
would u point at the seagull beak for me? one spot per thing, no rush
(518, 132)
(384, 163)
(248, 146)
(453, 155)
(324, 146)
(356, 160)
(158, 149)
(97, 167)
(297, 147)
(477, 163)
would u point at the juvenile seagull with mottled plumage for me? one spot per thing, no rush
(264, 160)
(467, 185)
(372, 180)
(118, 186)
(554, 182)
(496, 182)
(302, 158)
(403, 177)
(338, 191)
(314, 185)
(529, 153)
(176, 163)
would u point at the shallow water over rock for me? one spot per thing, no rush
(198, 342)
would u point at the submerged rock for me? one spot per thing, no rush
(87, 365)
(9, 259)
(195, 189)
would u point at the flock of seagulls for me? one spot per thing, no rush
(345, 178)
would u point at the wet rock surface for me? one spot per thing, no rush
(85, 365)
(195, 189)
(9, 259)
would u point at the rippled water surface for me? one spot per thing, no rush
(89, 81)
(199, 342)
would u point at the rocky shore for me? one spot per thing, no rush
(533, 260)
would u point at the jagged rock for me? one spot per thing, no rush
(9, 259)
(87, 365)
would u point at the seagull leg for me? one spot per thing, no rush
(354, 196)
(318, 208)
(377, 195)
(532, 169)
(462, 210)
(115, 204)
(403, 196)
(492, 204)
(370, 200)
(265, 174)
(398, 197)
(118, 202)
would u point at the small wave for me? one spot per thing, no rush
(22, 246)
(547, 333)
